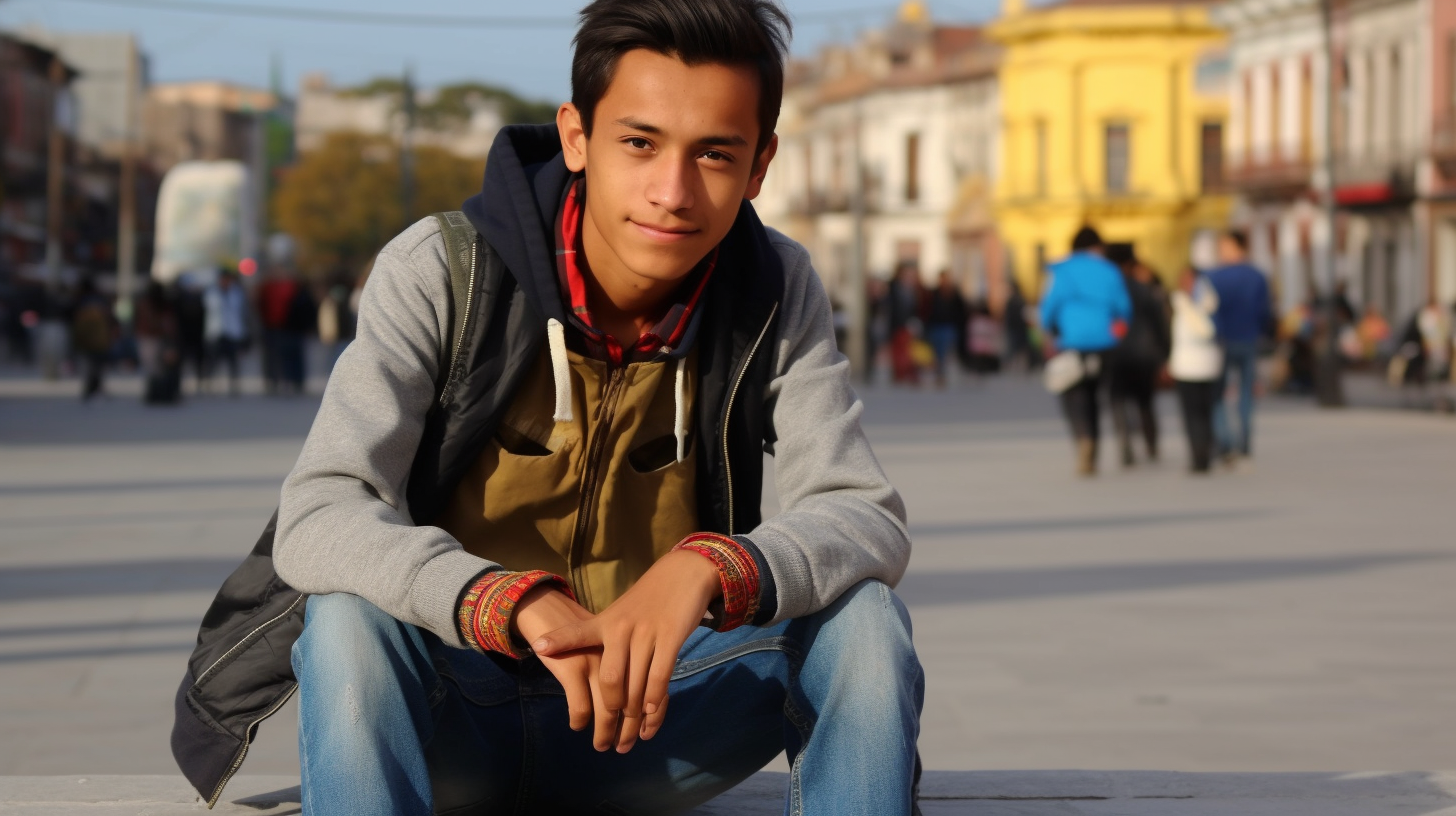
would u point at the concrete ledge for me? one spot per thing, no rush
(984, 793)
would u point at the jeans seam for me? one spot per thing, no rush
(777, 643)
(527, 753)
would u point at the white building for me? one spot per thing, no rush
(1382, 123)
(323, 109)
(918, 103)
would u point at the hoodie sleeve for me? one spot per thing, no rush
(841, 520)
(343, 523)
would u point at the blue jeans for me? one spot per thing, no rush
(392, 721)
(1242, 358)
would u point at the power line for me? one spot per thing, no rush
(409, 20)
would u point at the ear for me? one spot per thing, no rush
(573, 137)
(760, 168)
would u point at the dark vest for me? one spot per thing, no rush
(239, 673)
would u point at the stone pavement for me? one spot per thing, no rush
(945, 793)
(1291, 616)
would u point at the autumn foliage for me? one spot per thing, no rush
(343, 202)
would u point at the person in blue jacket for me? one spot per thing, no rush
(1245, 314)
(1086, 309)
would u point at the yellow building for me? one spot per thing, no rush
(1112, 114)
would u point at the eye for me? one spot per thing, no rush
(637, 142)
(717, 156)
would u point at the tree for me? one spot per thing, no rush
(341, 202)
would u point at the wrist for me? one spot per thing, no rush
(488, 609)
(735, 600)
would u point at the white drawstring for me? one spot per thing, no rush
(680, 420)
(560, 369)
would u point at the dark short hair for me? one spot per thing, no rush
(1085, 239)
(1239, 237)
(726, 32)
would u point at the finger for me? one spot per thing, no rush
(573, 636)
(612, 674)
(638, 665)
(605, 733)
(627, 733)
(578, 694)
(652, 723)
(657, 679)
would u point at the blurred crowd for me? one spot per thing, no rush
(201, 333)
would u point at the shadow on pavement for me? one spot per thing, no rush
(57, 421)
(1043, 525)
(991, 586)
(164, 486)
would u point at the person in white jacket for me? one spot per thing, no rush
(1196, 363)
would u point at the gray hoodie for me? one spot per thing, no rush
(344, 524)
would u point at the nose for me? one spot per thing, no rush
(671, 186)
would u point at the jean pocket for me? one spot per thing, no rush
(480, 678)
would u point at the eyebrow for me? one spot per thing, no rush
(708, 141)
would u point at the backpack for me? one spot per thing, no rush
(255, 616)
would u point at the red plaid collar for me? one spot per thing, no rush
(663, 336)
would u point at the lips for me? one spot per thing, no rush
(666, 235)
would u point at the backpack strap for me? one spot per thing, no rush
(460, 248)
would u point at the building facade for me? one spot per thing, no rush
(37, 116)
(914, 105)
(1392, 139)
(1114, 114)
(323, 109)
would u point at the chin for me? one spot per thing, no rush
(665, 266)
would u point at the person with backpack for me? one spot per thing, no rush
(524, 532)
(1136, 363)
(93, 330)
(1086, 309)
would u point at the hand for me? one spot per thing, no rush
(544, 609)
(639, 637)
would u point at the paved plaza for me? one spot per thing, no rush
(1293, 615)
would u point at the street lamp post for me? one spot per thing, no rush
(1328, 388)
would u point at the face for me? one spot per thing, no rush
(1229, 251)
(669, 160)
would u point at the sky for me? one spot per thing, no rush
(534, 61)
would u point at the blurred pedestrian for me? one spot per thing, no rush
(1018, 330)
(300, 321)
(158, 351)
(1086, 309)
(227, 329)
(945, 324)
(1244, 316)
(1196, 363)
(192, 328)
(904, 305)
(1374, 333)
(335, 322)
(274, 298)
(877, 331)
(92, 332)
(1137, 361)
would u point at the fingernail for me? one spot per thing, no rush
(541, 645)
(650, 708)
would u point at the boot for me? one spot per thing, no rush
(1086, 457)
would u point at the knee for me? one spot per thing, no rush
(346, 641)
(871, 627)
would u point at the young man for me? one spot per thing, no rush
(1087, 309)
(545, 587)
(1244, 315)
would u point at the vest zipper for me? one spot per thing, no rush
(453, 370)
(737, 381)
(591, 477)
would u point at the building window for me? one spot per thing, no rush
(1276, 115)
(1397, 109)
(912, 167)
(1117, 150)
(1210, 156)
(1041, 158)
(1306, 111)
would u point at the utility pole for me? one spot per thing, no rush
(126, 238)
(55, 174)
(407, 150)
(856, 302)
(1328, 388)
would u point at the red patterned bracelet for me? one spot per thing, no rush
(486, 610)
(737, 572)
